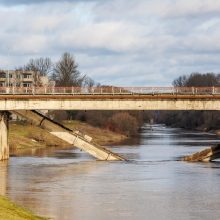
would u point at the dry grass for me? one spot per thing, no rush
(23, 136)
(27, 136)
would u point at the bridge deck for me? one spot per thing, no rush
(109, 96)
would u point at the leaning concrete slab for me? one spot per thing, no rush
(4, 146)
(83, 142)
(206, 155)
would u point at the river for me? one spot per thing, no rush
(70, 185)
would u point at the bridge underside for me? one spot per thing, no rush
(74, 138)
(110, 102)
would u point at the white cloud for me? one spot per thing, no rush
(146, 42)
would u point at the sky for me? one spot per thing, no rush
(115, 42)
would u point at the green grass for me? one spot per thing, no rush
(10, 211)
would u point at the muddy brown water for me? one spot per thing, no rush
(67, 184)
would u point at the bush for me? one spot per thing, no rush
(123, 123)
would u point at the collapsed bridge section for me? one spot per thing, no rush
(75, 138)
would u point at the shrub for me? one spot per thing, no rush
(123, 123)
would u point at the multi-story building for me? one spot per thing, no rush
(18, 78)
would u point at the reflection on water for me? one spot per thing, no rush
(70, 185)
(3, 177)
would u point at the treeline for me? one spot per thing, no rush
(124, 122)
(202, 120)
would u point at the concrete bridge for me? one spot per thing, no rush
(110, 98)
(25, 102)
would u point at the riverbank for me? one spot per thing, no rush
(23, 136)
(10, 211)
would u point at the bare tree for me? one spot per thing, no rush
(180, 81)
(88, 82)
(41, 65)
(66, 72)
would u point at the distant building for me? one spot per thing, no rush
(18, 78)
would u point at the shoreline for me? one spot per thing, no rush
(11, 211)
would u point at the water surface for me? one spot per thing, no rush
(70, 185)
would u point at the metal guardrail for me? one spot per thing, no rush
(109, 90)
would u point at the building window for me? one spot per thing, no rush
(27, 76)
(26, 84)
(2, 75)
(10, 75)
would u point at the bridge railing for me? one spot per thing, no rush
(110, 90)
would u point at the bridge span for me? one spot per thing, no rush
(110, 98)
(25, 102)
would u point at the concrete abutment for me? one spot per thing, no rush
(4, 145)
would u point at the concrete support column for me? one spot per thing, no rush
(4, 146)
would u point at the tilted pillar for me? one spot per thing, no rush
(4, 146)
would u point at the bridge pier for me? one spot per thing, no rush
(4, 145)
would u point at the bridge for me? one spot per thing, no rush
(26, 101)
(110, 98)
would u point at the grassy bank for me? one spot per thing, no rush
(27, 136)
(10, 211)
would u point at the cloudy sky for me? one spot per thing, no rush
(120, 42)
